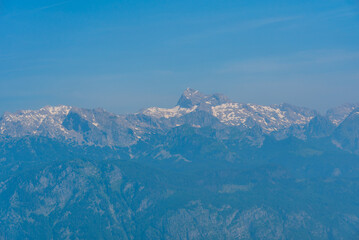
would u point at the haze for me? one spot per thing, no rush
(127, 55)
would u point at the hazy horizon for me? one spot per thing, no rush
(169, 105)
(125, 56)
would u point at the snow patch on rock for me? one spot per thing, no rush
(177, 111)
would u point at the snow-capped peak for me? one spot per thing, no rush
(26, 122)
(176, 111)
(269, 118)
(56, 110)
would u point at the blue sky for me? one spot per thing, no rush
(127, 55)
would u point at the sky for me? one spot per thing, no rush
(124, 56)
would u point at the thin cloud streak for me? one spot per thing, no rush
(50, 6)
(236, 28)
(34, 10)
(254, 24)
(297, 61)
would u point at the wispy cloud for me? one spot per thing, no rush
(34, 10)
(50, 6)
(298, 61)
(234, 28)
(285, 22)
(342, 12)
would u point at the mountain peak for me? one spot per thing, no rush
(192, 97)
(190, 92)
(60, 109)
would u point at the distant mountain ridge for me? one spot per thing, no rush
(99, 127)
(208, 168)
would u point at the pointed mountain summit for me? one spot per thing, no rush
(192, 97)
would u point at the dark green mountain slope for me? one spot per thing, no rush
(187, 184)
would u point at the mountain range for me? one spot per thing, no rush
(208, 168)
(101, 128)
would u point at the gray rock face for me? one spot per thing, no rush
(338, 114)
(46, 121)
(98, 127)
(320, 126)
(346, 135)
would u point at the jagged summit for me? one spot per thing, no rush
(27, 122)
(192, 97)
(189, 92)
